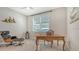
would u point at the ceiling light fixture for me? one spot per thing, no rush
(28, 8)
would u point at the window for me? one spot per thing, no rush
(40, 23)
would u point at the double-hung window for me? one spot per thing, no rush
(40, 23)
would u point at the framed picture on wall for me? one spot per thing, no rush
(74, 14)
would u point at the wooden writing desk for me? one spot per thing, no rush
(49, 38)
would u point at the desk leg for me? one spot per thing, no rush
(57, 42)
(63, 44)
(36, 45)
(51, 43)
(44, 42)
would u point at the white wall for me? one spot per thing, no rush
(73, 32)
(18, 28)
(58, 21)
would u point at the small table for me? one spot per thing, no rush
(49, 38)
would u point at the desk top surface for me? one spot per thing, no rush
(50, 36)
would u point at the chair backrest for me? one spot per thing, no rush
(50, 32)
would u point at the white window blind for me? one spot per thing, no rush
(41, 23)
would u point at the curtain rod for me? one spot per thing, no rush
(41, 13)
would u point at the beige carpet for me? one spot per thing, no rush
(29, 45)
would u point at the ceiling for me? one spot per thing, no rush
(33, 10)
